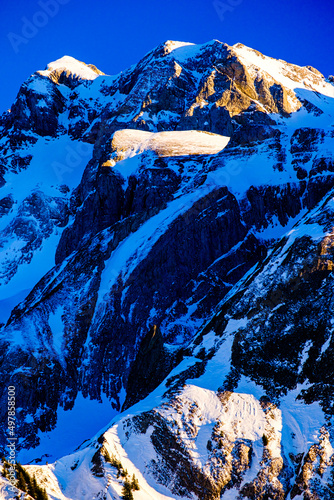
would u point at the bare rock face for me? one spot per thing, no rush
(99, 211)
(38, 106)
(6, 204)
(153, 362)
(154, 187)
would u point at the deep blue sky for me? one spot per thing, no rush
(113, 34)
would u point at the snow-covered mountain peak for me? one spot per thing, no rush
(289, 75)
(70, 66)
(171, 45)
(187, 51)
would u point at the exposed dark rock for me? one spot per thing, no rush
(6, 204)
(101, 209)
(152, 188)
(153, 362)
(37, 106)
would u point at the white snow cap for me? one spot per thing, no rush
(68, 63)
(172, 45)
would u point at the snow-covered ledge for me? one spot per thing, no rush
(128, 143)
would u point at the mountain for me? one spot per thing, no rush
(166, 238)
